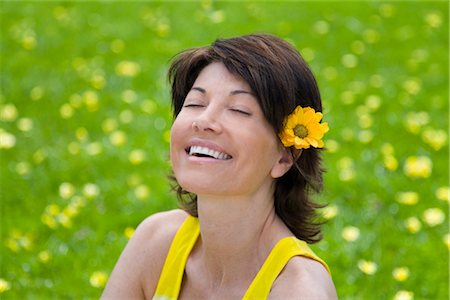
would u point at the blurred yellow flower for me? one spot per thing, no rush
(433, 19)
(443, 193)
(413, 224)
(118, 138)
(136, 156)
(98, 279)
(365, 121)
(98, 81)
(128, 68)
(23, 168)
(418, 166)
(81, 133)
(407, 198)
(91, 190)
(346, 169)
(373, 102)
(29, 41)
(217, 16)
(94, 148)
(329, 211)
(71, 210)
(400, 274)
(142, 192)
(25, 124)
(39, 156)
(134, 180)
(358, 47)
(365, 136)
(73, 148)
(348, 97)
(446, 240)
(367, 267)
(66, 111)
(166, 136)
(66, 190)
(64, 219)
(78, 201)
(412, 86)
(8, 112)
(128, 232)
(321, 27)
(37, 93)
(117, 45)
(17, 240)
(7, 140)
(76, 100)
(149, 106)
(387, 149)
(404, 295)
(387, 10)
(90, 99)
(350, 233)
(53, 209)
(332, 146)
(414, 121)
(433, 216)
(129, 96)
(349, 61)
(390, 162)
(44, 256)
(162, 28)
(109, 125)
(371, 36)
(126, 116)
(4, 285)
(435, 138)
(302, 129)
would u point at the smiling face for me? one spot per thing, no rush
(221, 144)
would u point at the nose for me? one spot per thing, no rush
(207, 121)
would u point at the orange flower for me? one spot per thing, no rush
(303, 129)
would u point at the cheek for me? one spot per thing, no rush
(176, 134)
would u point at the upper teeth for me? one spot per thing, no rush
(209, 152)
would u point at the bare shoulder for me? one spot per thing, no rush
(303, 278)
(137, 271)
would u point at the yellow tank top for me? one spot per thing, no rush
(172, 273)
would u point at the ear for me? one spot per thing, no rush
(285, 162)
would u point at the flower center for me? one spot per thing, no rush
(301, 131)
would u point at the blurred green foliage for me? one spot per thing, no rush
(85, 119)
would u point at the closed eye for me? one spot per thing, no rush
(240, 111)
(193, 105)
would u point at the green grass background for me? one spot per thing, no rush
(69, 187)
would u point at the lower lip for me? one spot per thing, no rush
(199, 159)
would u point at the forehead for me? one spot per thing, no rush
(217, 75)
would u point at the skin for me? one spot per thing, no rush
(238, 223)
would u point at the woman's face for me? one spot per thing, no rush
(221, 144)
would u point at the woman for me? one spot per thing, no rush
(244, 151)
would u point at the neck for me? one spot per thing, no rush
(237, 234)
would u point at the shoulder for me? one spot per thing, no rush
(161, 225)
(152, 239)
(137, 271)
(303, 278)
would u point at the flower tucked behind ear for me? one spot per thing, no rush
(303, 129)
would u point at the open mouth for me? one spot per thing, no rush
(206, 152)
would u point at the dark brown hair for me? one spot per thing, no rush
(281, 80)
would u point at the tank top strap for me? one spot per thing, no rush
(169, 283)
(283, 251)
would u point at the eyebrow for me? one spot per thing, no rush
(234, 92)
